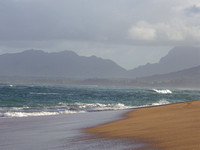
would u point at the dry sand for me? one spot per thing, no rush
(170, 127)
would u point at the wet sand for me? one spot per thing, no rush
(60, 132)
(168, 127)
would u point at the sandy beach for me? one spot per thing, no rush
(168, 127)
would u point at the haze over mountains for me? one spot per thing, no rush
(179, 58)
(36, 63)
(181, 63)
(184, 78)
(190, 74)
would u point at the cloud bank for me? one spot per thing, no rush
(174, 31)
(101, 21)
(99, 26)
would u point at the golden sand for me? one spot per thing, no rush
(170, 127)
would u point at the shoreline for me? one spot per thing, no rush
(58, 132)
(171, 127)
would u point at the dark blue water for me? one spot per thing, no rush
(32, 100)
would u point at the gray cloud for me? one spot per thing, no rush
(92, 20)
(97, 27)
(47, 19)
(193, 9)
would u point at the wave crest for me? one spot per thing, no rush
(98, 106)
(161, 102)
(94, 106)
(63, 108)
(42, 113)
(162, 91)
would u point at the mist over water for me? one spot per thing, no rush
(32, 100)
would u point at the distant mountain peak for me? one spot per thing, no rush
(178, 58)
(182, 54)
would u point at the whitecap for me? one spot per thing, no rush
(99, 106)
(161, 102)
(28, 114)
(163, 91)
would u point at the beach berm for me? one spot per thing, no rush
(168, 127)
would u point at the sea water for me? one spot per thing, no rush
(60, 132)
(36, 100)
(52, 117)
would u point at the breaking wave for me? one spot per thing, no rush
(162, 91)
(99, 107)
(62, 108)
(161, 102)
(27, 114)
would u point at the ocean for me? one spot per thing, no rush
(53, 117)
(39, 100)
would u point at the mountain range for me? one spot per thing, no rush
(180, 64)
(36, 63)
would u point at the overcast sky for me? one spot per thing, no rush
(130, 32)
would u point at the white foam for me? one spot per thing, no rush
(28, 114)
(163, 91)
(161, 102)
(98, 106)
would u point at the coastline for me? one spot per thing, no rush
(170, 127)
(58, 132)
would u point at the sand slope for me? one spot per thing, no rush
(171, 127)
